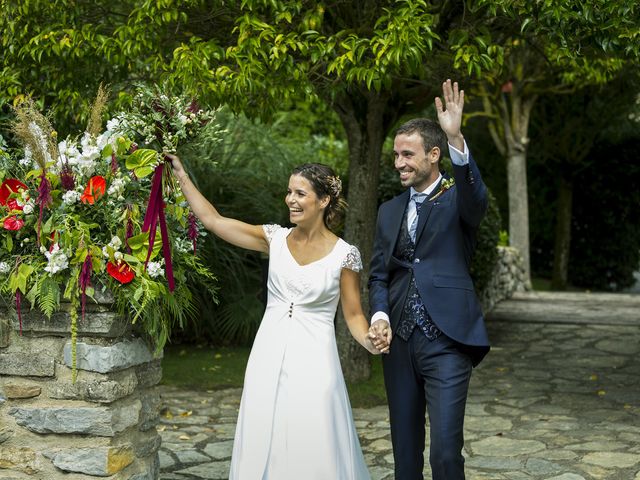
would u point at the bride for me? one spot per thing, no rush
(295, 419)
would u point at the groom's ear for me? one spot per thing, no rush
(434, 155)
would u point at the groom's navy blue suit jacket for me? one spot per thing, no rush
(445, 241)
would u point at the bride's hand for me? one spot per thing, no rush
(377, 344)
(368, 344)
(380, 335)
(176, 165)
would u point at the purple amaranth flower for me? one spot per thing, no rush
(84, 280)
(114, 164)
(193, 230)
(193, 107)
(19, 297)
(129, 230)
(67, 178)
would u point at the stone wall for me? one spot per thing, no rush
(507, 278)
(101, 425)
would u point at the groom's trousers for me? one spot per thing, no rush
(434, 374)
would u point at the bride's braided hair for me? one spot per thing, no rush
(325, 183)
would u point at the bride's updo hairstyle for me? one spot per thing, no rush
(325, 183)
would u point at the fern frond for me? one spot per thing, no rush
(48, 296)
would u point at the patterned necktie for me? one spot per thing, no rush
(418, 199)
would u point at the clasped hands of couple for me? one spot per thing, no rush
(380, 335)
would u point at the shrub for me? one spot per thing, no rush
(486, 253)
(605, 248)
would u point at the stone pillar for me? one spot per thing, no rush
(508, 277)
(103, 425)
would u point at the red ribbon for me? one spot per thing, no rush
(155, 215)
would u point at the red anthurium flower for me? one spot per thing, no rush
(9, 186)
(121, 271)
(95, 189)
(13, 223)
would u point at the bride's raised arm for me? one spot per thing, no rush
(234, 231)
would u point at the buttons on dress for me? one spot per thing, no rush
(290, 309)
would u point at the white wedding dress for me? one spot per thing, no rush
(295, 420)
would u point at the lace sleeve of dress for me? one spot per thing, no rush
(352, 260)
(269, 230)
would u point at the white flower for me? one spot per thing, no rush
(183, 245)
(57, 260)
(103, 140)
(117, 186)
(112, 247)
(27, 209)
(4, 267)
(27, 161)
(68, 153)
(71, 197)
(113, 125)
(115, 243)
(154, 269)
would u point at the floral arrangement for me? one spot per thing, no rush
(101, 211)
(445, 185)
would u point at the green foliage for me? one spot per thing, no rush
(563, 134)
(503, 238)
(251, 55)
(605, 231)
(486, 253)
(569, 43)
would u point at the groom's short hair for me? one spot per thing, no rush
(430, 131)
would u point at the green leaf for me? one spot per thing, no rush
(143, 162)
(140, 245)
(18, 279)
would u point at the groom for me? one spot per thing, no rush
(419, 284)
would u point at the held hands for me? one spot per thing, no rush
(451, 118)
(380, 336)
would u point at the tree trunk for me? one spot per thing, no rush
(363, 118)
(562, 244)
(514, 112)
(519, 207)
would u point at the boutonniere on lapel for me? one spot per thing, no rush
(445, 185)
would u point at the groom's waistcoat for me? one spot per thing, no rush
(413, 311)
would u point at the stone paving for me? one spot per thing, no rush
(556, 399)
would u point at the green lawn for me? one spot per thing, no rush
(540, 284)
(214, 368)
